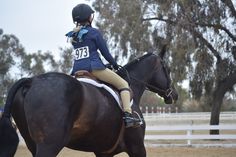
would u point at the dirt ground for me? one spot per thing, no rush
(151, 152)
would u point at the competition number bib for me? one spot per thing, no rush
(82, 52)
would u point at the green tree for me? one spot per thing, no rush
(38, 63)
(15, 63)
(65, 62)
(10, 50)
(121, 23)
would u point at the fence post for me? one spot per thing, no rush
(176, 110)
(146, 110)
(189, 133)
(163, 110)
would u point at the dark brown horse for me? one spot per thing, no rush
(54, 110)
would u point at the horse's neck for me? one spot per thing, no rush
(137, 83)
(140, 72)
(138, 91)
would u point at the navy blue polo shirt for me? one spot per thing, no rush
(86, 56)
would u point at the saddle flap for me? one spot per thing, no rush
(84, 74)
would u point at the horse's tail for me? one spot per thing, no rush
(8, 136)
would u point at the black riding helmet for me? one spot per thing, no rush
(81, 13)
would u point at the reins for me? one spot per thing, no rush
(166, 92)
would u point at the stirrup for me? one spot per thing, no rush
(130, 121)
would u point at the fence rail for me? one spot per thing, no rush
(189, 136)
(188, 115)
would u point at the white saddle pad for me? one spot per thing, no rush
(101, 85)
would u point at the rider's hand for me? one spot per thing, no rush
(116, 66)
(109, 66)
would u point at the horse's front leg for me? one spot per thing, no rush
(136, 151)
(134, 140)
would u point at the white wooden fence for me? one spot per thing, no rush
(153, 135)
(189, 115)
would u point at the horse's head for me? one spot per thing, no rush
(160, 81)
(151, 72)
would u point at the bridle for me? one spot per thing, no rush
(167, 93)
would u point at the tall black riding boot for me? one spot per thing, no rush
(130, 120)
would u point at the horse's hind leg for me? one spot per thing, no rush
(18, 114)
(47, 150)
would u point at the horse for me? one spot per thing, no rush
(55, 110)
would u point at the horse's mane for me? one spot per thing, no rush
(135, 61)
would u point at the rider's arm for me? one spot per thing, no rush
(102, 46)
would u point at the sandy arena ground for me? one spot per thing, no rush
(151, 152)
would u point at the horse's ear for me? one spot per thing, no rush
(163, 51)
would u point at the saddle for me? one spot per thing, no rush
(85, 74)
(88, 77)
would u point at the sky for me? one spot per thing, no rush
(38, 24)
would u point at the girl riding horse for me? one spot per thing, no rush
(86, 40)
